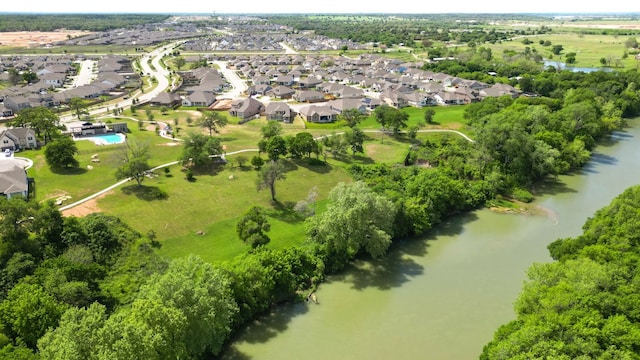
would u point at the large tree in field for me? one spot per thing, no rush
(213, 121)
(133, 161)
(60, 153)
(199, 148)
(253, 226)
(356, 219)
(390, 118)
(352, 117)
(42, 120)
(268, 175)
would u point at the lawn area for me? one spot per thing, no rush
(213, 203)
(449, 117)
(81, 182)
(589, 49)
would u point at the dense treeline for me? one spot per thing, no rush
(403, 29)
(585, 304)
(92, 288)
(88, 22)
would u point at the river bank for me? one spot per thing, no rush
(445, 294)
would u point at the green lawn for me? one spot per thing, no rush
(589, 49)
(81, 182)
(213, 203)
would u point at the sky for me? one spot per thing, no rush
(320, 6)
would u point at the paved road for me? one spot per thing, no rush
(288, 49)
(85, 73)
(160, 73)
(239, 86)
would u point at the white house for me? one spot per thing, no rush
(18, 138)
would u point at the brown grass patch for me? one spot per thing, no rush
(86, 208)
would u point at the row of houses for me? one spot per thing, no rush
(363, 84)
(113, 74)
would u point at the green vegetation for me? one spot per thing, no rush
(106, 291)
(585, 303)
(89, 22)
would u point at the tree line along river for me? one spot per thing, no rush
(444, 295)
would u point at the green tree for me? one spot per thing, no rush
(28, 312)
(557, 49)
(355, 138)
(631, 43)
(79, 107)
(270, 129)
(429, 113)
(268, 175)
(78, 335)
(61, 152)
(213, 121)
(356, 219)
(29, 77)
(180, 62)
(42, 120)
(302, 143)
(202, 294)
(199, 148)
(133, 161)
(352, 117)
(257, 162)
(276, 147)
(253, 226)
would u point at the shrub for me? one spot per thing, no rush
(522, 195)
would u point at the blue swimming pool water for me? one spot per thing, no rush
(109, 138)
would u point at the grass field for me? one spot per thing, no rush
(589, 49)
(176, 209)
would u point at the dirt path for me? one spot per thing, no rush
(87, 207)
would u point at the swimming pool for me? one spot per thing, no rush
(105, 139)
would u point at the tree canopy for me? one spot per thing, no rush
(61, 153)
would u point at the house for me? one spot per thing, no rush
(246, 108)
(260, 89)
(395, 99)
(13, 179)
(449, 98)
(16, 103)
(199, 98)
(341, 105)
(279, 111)
(309, 96)
(281, 92)
(309, 82)
(18, 139)
(166, 99)
(420, 99)
(499, 90)
(318, 114)
(4, 111)
(55, 80)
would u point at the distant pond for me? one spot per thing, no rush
(564, 66)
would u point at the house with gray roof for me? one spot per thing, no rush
(13, 179)
(309, 96)
(281, 92)
(199, 98)
(279, 111)
(245, 109)
(18, 139)
(318, 113)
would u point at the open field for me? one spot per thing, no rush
(22, 39)
(589, 49)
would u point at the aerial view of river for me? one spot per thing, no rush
(442, 296)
